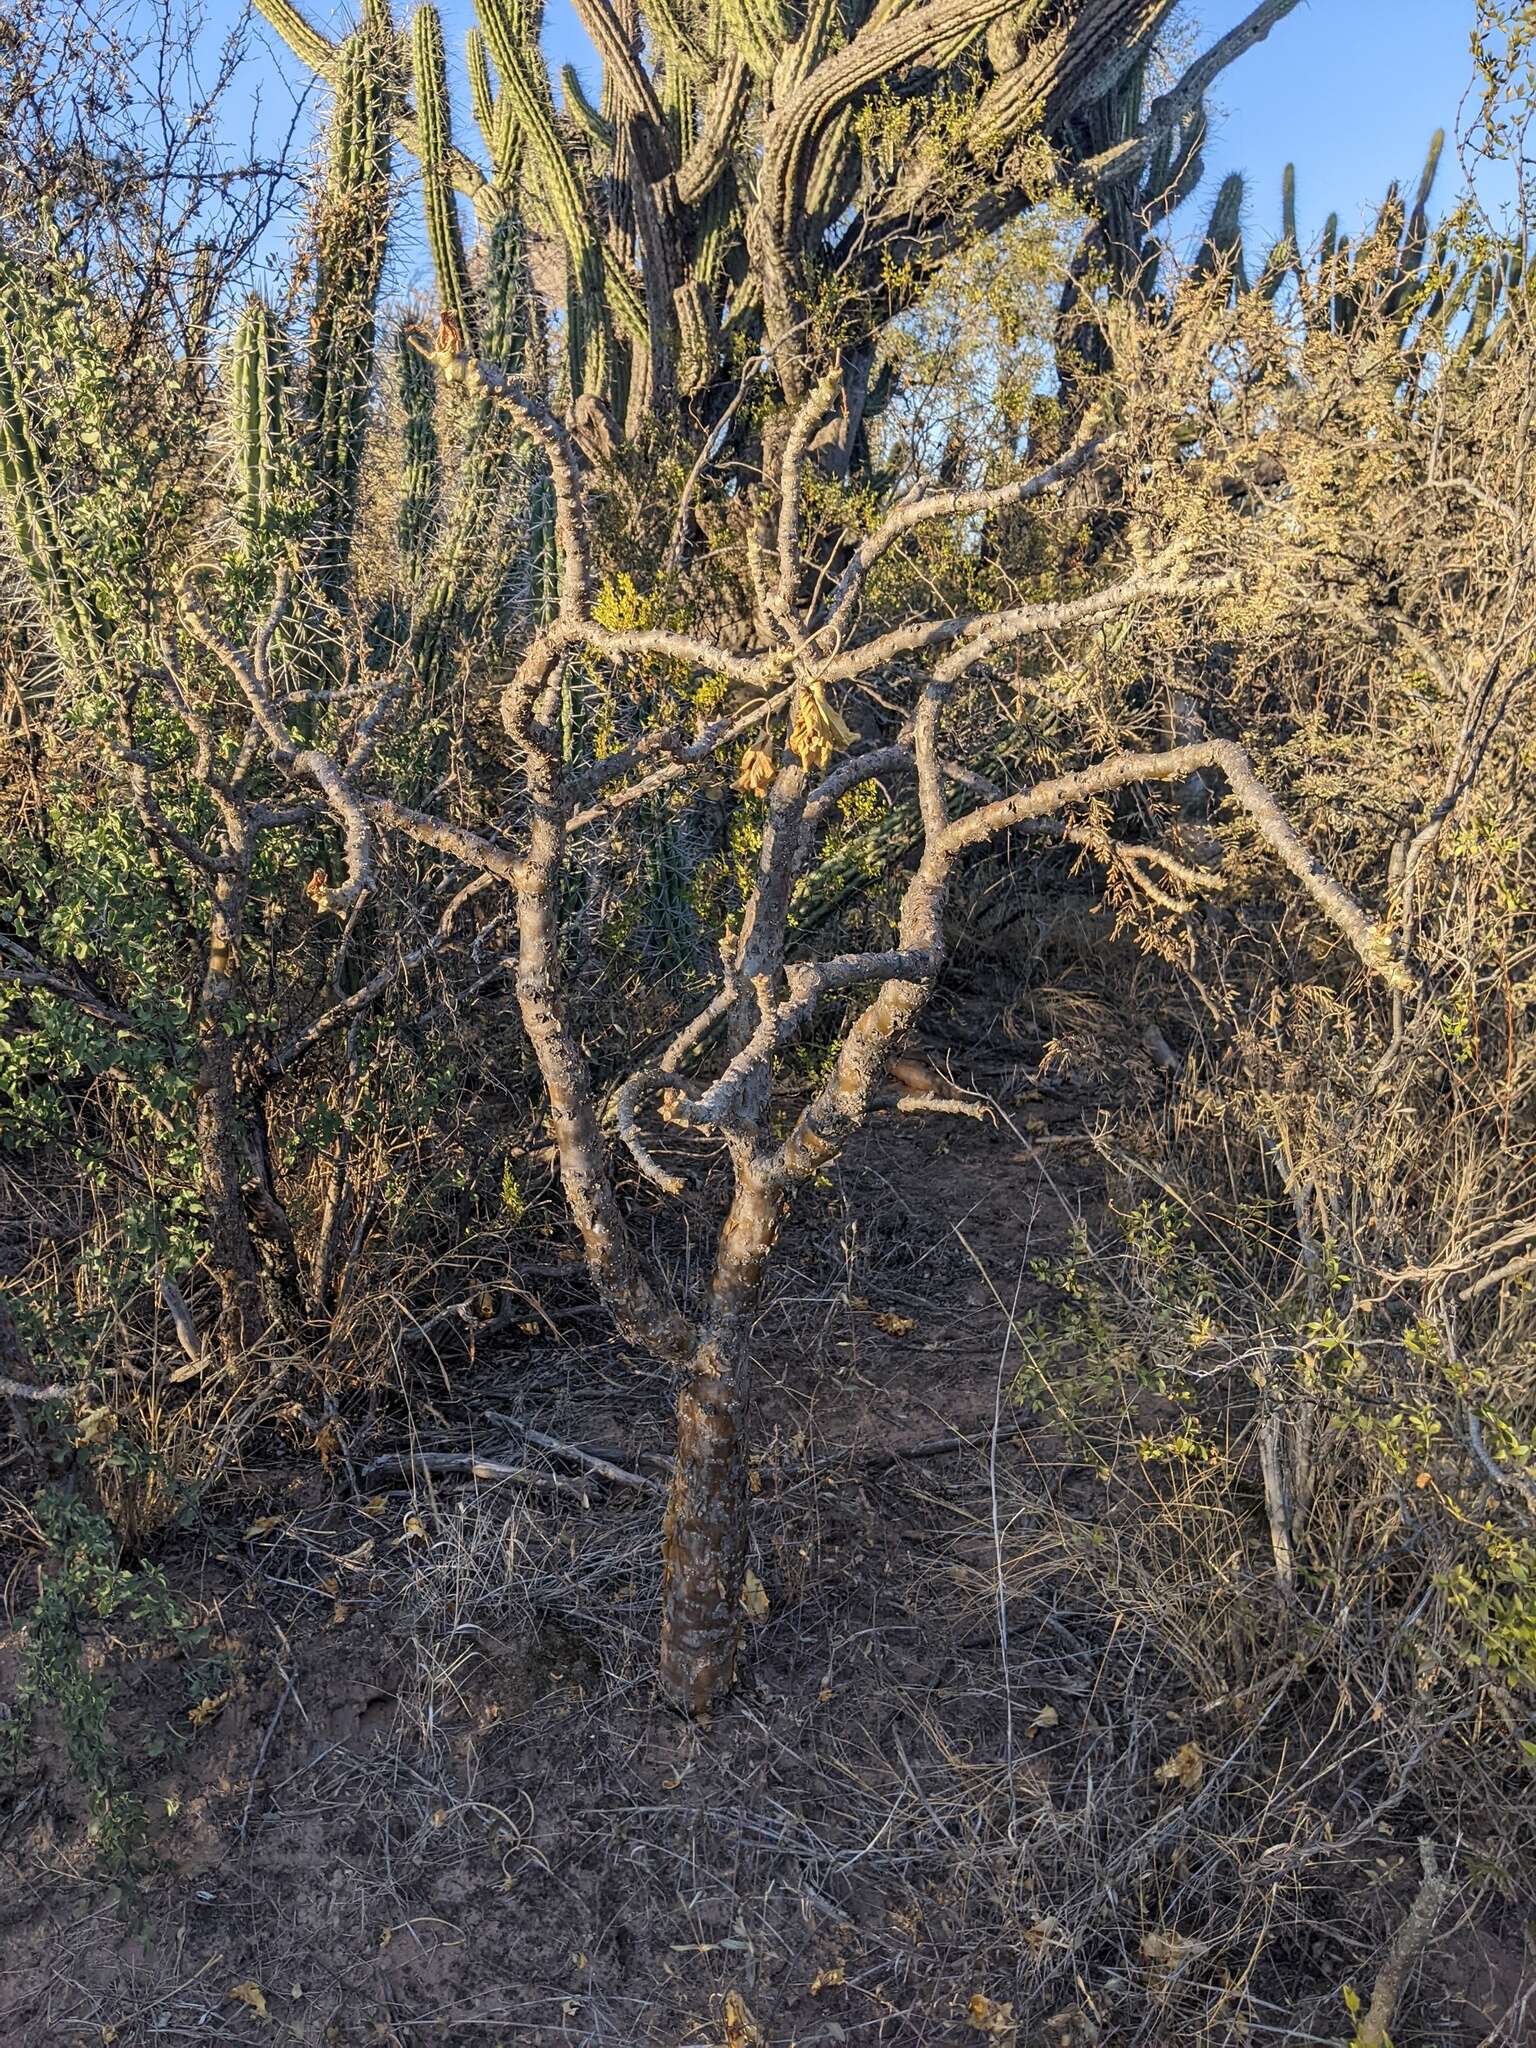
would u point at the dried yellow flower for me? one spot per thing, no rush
(817, 732)
(757, 770)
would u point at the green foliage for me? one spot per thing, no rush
(93, 457)
(88, 1599)
(1492, 1593)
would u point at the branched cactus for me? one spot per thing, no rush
(1434, 302)
(760, 178)
(513, 41)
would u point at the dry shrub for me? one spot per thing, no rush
(1299, 1362)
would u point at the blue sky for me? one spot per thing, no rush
(1350, 90)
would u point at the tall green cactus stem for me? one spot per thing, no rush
(1284, 257)
(482, 92)
(26, 479)
(1416, 233)
(421, 477)
(525, 86)
(722, 234)
(444, 240)
(1222, 247)
(352, 227)
(759, 29)
(516, 339)
(262, 454)
(514, 333)
(680, 102)
(593, 124)
(480, 542)
(544, 546)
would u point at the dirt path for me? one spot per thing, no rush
(430, 1798)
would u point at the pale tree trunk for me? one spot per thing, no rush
(767, 999)
(232, 1252)
(704, 1543)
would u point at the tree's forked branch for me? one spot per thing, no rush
(565, 461)
(320, 768)
(916, 512)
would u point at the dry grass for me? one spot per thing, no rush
(469, 1819)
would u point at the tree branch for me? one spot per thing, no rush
(1182, 98)
(951, 505)
(1336, 904)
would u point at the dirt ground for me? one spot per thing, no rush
(433, 1799)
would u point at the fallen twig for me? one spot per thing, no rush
(935, 1447)
(261, 1754)
(449, 1464)
(1415, 1931)
(605, 1468)
(18, 1390)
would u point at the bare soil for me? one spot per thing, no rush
(433, 1797)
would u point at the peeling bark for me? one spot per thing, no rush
(704, 1541)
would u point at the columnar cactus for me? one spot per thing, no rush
(513, 42)
(263, 455)
(429, 69)
(351, 231)
(672, 278)
(1222, 246)
(421, 469)
(1434, 303)
(482, 92)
